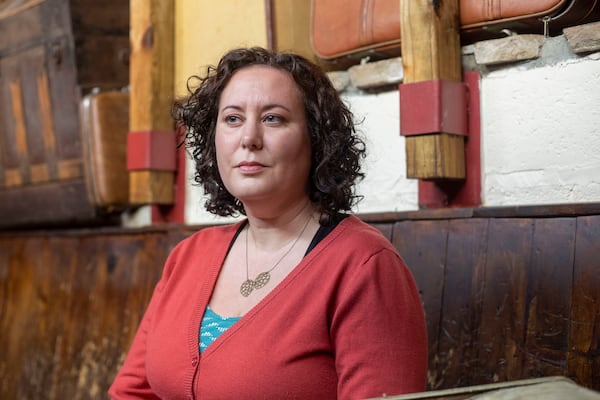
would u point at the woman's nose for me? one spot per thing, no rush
(252, 137)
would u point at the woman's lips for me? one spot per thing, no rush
(250, 167)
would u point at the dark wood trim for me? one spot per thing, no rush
(271, 29)
(100, 230)
(538, 211)
(64, 203)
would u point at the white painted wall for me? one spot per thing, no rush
(385, 187)
(541, 133)
(540, 137)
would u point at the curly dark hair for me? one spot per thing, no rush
(336, 146)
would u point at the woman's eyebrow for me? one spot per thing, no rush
(264, 108)
(275, 105)
(232, 106)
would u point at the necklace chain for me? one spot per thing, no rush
(263, 278)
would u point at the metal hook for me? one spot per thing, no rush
(546, 21)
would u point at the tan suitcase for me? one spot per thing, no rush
(105, 123)
(360, 28)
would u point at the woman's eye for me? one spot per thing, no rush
(232, 119)
(273, 119)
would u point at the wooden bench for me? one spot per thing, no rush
(509, 294)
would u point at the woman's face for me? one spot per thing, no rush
(262, 143)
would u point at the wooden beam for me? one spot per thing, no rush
(151, 77)
(288, 27)
(431, 51)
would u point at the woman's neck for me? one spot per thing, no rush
(274, 231)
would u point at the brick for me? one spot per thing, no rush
(377, 73)
(339, 79)
(583, 38)
(508, 49)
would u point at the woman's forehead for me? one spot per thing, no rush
(261, 82)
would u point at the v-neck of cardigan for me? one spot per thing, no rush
(306, 260)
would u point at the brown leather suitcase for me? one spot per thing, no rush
(105, 123)
(359, 28)
(52, 53)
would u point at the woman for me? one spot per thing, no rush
(297, 300)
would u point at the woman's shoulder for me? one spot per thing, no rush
(353, 229)
(208, 241)
(214, 233)
(356, 248)
(354, 239)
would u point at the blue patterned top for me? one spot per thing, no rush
(213, 326)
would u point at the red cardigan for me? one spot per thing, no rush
(346, 323)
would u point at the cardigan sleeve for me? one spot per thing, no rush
(378, 330)
(131, 381)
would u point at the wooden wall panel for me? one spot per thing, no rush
(549, 297)
(502, 327)
(70, 307)
(462, 304)
(584, 336)
(505, 299)
(386, 230)
(422, 245)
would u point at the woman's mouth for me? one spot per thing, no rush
(250, 167)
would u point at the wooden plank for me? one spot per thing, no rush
(151, 75)
(430, 40)
(502, 329)
(21, 32)
(31, 66)
(549, 297)
(70, 169)
(431, 50)
(152, 64)
(290, 26)
(435, 156)
(96, 71)
(5, 106)
(422, 245)
(109, 17)
(547, 388)
(549, 210)
(48, 204)
(24, 303)
(462, 304)
(149, 186)
(47, 122)
(43, 127)
(583, 363)
(101, 28)
(62, 79)
(20, 137)
(68, 317)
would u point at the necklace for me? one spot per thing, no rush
(263, 278)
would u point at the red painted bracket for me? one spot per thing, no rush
(433, 106)
(174, 213)
(151, 150)
(462, 193)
